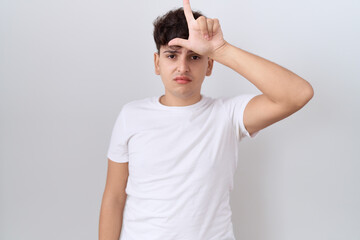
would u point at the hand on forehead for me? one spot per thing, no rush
(205, 35)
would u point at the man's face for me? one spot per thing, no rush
(175, 62)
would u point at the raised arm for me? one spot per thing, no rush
(283, 92)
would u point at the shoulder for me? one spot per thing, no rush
(136, 103)
(137, 107)
(237, 101)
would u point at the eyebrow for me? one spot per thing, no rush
(176, 51)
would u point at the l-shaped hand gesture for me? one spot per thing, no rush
(205, 35)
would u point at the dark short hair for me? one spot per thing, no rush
(171, 25)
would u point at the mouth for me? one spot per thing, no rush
(182, 79)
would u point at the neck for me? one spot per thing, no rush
(169, 100)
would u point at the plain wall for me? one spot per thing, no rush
(67, 67)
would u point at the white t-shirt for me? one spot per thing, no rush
(182, 161)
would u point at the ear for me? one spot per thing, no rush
(210, 66)
(156, 63)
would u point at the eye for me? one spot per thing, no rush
(171, 56)
(195, 57)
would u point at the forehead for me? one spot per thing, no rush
(175, 48)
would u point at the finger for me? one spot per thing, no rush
(216, 25)
(179, 42)
(210, 25)
(188, 12)
(202, 23)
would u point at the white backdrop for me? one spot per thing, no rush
(67, 67)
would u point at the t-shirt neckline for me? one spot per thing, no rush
(192, 106)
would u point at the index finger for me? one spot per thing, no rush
(187, 10)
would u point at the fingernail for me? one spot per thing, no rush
(206, 36)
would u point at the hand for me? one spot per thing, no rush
(205, 35)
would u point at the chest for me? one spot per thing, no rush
(181, 145)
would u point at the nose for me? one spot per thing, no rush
(183, 65)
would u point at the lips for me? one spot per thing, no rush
(182, 78)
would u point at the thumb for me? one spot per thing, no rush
(179, 42)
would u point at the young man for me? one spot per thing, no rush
(172, 158)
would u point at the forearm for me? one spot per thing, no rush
(277, 83)
(111, 217)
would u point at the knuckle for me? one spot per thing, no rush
(201, 19)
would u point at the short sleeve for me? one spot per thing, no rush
(235, 107)
(118, 147)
